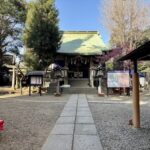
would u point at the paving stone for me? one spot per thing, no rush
(73, 98)
(79, 102)
(71, 105)
(82, 101)
(85, 129)
(85, 136)
(58, 142)
(72, 101)
(86, 142)
(68, 114)
(83, 105)
(84, 114)
(82, 97)
(63, 129)
(85, 120)
(83, 109)
(69, 109)
(66, 120)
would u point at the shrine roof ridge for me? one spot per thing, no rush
(80, 32)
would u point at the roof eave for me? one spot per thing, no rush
(141, 53)
(84, 54)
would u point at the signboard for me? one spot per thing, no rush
(118, 79)
(142, 81)
(36, 80)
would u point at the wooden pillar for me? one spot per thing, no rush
(20, 86)
(29, 90)
(136, 97)
(40, 90)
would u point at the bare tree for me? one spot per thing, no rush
(126, 20)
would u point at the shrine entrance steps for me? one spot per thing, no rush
(79, 82)
(77, 86)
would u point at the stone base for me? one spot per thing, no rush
(101, 94)
(57, 94)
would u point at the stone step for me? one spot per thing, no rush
(78, 86)
(79, 82)
(74, 90)
(79, 90)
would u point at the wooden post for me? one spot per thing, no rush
(21, 86)
(40, 90)
(29, 90)
(136, 98)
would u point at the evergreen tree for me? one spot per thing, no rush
(31, 60)
(12, 17)
(42, 34)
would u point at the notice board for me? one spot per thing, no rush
(118, 79)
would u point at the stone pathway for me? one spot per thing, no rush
(75, 128)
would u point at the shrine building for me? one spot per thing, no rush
(77, 55)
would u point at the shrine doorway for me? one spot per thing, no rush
(78, 67)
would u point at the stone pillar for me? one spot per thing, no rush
(17, 79)
(66, 71)
(13, 77)
(92, 77)
(65, 75)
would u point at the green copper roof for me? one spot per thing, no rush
(82, 42)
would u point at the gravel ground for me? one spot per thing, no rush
(28, 120)
(111, 118)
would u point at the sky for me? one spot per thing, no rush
(81, 15)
